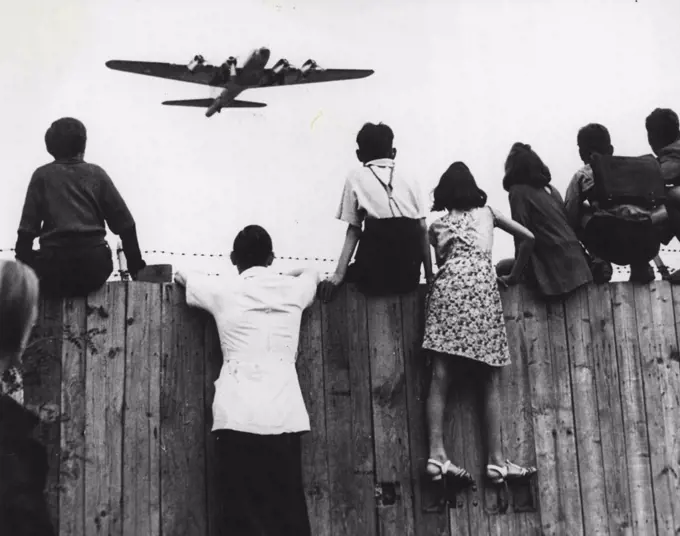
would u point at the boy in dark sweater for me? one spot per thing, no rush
(67, 206)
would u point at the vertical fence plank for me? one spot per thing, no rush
(586, 419)
(470, 427)
(417, 385)
(634, 413)
(388, 385)
(339, 432)
(654, 310)
(362, 412)
(457, 444)
(42, 391)
(609, 411)
(558, 483)
(73, 404)
(517, 421)
(672, 408)
(348, 415)
(141, 439)
(104, 426)
(183, 464)
(310, 366)
(213, 365)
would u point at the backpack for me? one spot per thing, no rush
(626, 191)
(633, 180)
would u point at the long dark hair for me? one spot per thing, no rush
(524, 166)
(458, 190)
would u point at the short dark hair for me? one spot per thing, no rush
(458, 190)
(66, 138)
(375, 141)
(663, 126)
(252, 247)
(594, 138)
(524, 166)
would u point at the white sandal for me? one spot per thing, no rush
(461, 476)
(519, 473)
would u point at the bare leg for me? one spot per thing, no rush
(493, 401)
(436, 403)
(492, 415)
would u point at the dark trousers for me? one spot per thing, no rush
(67, 272)
(389, 256)
(621, 241)
(260, 484)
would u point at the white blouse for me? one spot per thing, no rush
(258, 318)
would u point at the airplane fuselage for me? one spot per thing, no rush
(249, 76)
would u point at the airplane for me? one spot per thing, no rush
(233, 79)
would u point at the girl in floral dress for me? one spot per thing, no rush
(464, 316)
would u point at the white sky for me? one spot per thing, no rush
(455, 80)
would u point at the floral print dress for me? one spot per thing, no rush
(464, 312)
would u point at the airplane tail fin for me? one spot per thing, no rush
(206, 103)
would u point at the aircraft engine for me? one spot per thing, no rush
(198, 60)
(309, 65)
(281, 65)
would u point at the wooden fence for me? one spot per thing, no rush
(124, 381)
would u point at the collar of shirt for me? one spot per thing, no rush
(254, 271)
(381, 162)
(73, 160)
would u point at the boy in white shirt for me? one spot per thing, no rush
(258, 411)
(394, 242)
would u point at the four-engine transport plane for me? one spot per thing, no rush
(234, 80)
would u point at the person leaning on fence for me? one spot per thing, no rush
(558, 264)
(620, 232)
(258, 411)
(393, 244)
(68, 204)
(23, 460)
(464, 317)
(663, 135)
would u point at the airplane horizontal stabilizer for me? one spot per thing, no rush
(206, 103)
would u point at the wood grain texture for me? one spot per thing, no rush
(182, 411)
(141, 434)
(394, 488)
(636, 438)
(106, 320)
(73, 408)
(124, 384)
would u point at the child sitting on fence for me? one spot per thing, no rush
(259, 413)
(393, 244)
(558, 264)
(613, 230)
(663, 135)
(23, 460)
(464, 317)
(68, 204)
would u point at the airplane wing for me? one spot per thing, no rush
(205, 103)
(203, 74)
(314, 76)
